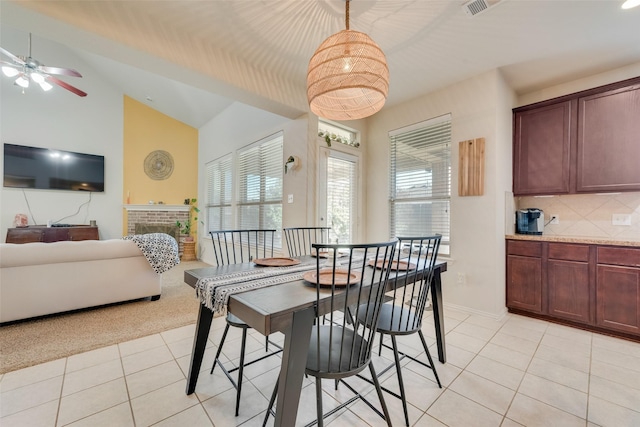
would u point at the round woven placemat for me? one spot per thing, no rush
(158, 165)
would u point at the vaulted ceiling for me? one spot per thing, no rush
(257, 51)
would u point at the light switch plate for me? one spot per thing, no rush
(621, 219)
(290, 198)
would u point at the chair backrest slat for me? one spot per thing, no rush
(355, 287)
(411, 298)
(300, 239)
(237, 246)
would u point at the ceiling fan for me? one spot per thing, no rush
(27, 69)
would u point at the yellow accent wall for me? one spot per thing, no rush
(147, 130)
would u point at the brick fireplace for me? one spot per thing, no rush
(157, 218)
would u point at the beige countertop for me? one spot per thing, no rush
(577, 239)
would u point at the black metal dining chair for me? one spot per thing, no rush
(233, 247)
(300, 239)
(342, 348)
(403, 314)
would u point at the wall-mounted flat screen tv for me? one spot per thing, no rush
(49, 169)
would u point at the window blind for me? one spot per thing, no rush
(219, 194)
(420, 175)
(341, 199)
(260, 170)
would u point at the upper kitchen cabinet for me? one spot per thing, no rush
(587, 142)
(609, 141)
(541, 144)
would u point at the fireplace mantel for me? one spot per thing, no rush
(158, 207)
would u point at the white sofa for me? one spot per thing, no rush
(44, 278)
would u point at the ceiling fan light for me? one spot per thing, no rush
(22, 81)
(46, 86)
(37, 77)
(630, 4)
(10, 71)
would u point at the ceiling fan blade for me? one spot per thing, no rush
(12, 56)
(60, 71)
(65, 85)
(10, 64)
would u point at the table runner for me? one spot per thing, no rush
(214, 292)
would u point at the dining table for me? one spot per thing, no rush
(289, 308)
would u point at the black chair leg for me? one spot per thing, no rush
(271, 402)
(380, 396)
(380, 344)
(426, 350)
(224, 336)
(403, 396)
(319, 402)
(240, 369)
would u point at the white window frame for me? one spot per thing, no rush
(270, 162)
(223, 167)
(351, 156)
(436, 195)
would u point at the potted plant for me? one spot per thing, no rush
(185, 227)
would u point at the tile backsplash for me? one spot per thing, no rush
(588, 215)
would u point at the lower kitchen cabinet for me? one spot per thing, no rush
(569, 294)
(594, 287)
(569, 282)
(618, 289)
(524, 275)
(524, 283)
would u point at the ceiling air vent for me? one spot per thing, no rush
(475, 7)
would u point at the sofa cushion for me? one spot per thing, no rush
(16, 255)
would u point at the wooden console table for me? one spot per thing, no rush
(41, 233)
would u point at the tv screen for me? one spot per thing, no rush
(48, 169)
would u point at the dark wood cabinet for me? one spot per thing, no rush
(524, 276)
(595, 287)
(618, 289)
(568, 282)
(44, 234)
(587, 142)
(609, 141)
(541, 149)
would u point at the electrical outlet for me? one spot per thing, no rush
(621, 219)
(290, 198)
(462, 279)
(555, 219)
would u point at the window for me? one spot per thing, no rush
(219, 212)
(260, 184)
(420, 174)
(331, 132)
(338, 194)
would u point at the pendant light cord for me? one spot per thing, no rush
(347, 14)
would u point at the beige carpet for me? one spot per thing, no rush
(32, 342)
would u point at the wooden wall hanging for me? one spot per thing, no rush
(471, 167)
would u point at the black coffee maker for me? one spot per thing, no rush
(529, 221)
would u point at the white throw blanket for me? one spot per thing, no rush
(160, 249)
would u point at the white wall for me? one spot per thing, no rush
(62, 120)
(480, 107)
(240, 125)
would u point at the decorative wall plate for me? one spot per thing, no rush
(158, 165)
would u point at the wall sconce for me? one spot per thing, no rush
(291, 164)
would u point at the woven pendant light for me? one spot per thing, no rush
(348, 77)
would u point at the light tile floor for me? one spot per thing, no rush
(514, 372)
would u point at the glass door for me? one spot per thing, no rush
(338, 195)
